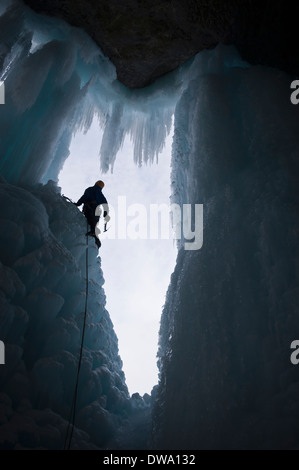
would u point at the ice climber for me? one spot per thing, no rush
(92, 198)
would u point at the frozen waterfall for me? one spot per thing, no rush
(226, 380)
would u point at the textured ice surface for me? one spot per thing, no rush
(56, 81)
(42, 299)
(232, 308)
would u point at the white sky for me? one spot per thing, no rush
(137, 273)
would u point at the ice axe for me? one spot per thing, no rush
(68, 199)
(106, 228)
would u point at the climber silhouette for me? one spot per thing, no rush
(92, 198)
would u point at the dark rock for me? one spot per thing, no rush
(147, 38)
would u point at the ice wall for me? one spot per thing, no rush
(42, 297)
(42, 305)
(226, 380)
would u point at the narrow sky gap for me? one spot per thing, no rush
(137, 273)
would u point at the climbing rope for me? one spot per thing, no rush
(72, 417)
(67, 199)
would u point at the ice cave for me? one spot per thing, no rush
(226, 380)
